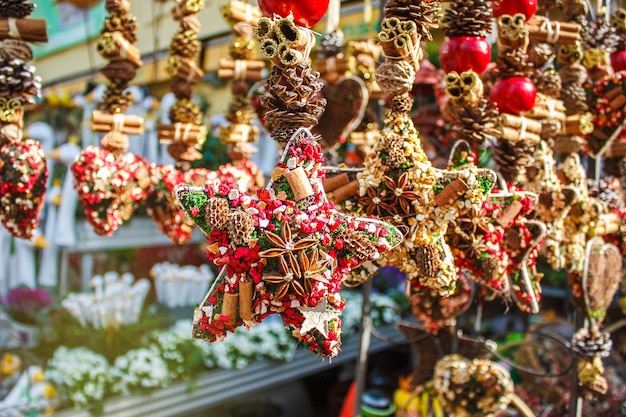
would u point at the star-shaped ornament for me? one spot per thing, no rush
(287, 250)
(318, 318)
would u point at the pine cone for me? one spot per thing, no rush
(476, 124)
(424, 14)
(599, 34)
(549, 4)
(540, 53)
(468, 18)
(185, 43)
(185, 111)
(331, 44)
(514, 63)
(216, 213)
(240, 227)
(512, 158)
(17, 9)
(574, 98)
(18, 80)
(586, 345)
(573, 74)
(240, 110)
(358, 244)
(402, 104)
(549, 83)
(293, 99)
(115, 100)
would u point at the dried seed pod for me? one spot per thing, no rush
(428, 260)
(402, 104)
(240, 227)
(393, 145)
(115, 142)
(425, 14)
(395, 77)
(15, 49)
(216, 213)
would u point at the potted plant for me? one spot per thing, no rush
(27, 308)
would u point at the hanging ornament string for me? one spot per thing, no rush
(23, 171)
(333, 15)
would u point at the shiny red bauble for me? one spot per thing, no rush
(515, 95)
(618, 61)
(464, 53)
(305, 12)
(511, 7)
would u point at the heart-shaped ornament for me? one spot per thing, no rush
(162, 207)
(604, 265)
(435, 311)
(169, 217)
(23, 176)
(476, 387)
(346, 102)
(110, 187)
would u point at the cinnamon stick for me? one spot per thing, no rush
(241, 11)
(29, 30)
(246, 289)
(451, 193)
(562, 33)
(238, 132)
(184, 69)
(187, 133)
(344, 192)
(336, 181)
(509, 213)
(299, 183)
(124, 123)
(114, 47)
(229, 307)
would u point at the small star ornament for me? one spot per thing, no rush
(318, 318)
(285, 252)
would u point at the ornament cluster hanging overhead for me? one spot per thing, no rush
(23, 172)
(186, 134)
(111, 183)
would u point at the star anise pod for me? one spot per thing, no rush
(287, 277)
(284, 243)
(401, 192)
(374, 203)
(313, 267)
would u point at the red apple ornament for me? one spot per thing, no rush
(618, 61)
(511, 7)
(515, 95)
(305, 12)
(464, 53)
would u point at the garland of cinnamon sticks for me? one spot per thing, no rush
(184, 133)
(242, 67)
(116, 44)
